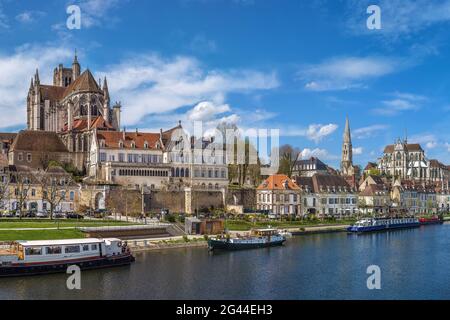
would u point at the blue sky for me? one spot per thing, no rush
(300, 66)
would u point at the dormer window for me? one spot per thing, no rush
(133, 145)
(145, 145)
(102, 143)
(120, 144)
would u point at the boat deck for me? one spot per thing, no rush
(7, 252)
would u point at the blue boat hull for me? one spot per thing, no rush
(354, 229)
(224, 245)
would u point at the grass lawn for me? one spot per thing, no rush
(40, 235)
(241, 225)
(46, 223)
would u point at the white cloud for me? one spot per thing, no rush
(318, 153)
(429, 140)
(95, 13)
(317, 132)
(314, 132)
(369, 131)
(206, 110)
(149, 84)
(357, 151)
(346, 73)
(17, 70)
(400, 103)
(29, 16)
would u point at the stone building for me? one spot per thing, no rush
(413, 198)
(408, 161)
(374, 200)
(328, 196)
(129, 159)
(25, 180)
(279, 195)
(72, 106)
(35, 149)
(309, 167)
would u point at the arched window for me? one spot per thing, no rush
(187, 173)
(177, 172)
(182, 173)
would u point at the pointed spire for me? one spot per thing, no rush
(105, 89)
(75, 59)
(36, 77)
(347, 135)
(32, 83)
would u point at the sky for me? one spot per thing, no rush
(297, 66)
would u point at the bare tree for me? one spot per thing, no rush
(55, 186)
(22, 181)
(288, 158)
(4, 187)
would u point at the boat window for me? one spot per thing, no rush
(86, 247)
(72, 249)
(53, 250)
(33, 251)
(94, 247)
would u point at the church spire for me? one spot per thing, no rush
(347, 135)
(347, 151)
(36, 77)
(76, 68)
(105, 89)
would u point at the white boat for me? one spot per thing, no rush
(50, 256)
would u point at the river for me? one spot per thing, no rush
(414, 264)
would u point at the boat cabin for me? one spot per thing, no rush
(264, 232)
(58, 250)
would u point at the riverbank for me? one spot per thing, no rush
(142, 245)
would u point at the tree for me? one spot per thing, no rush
(55, 185)
(288, 158)
(242, 167)
(22, 181)
(4, 187)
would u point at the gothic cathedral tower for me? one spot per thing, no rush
(347, 168)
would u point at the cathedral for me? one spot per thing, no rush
(73, 106)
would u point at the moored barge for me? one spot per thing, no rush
(431, 220)
(23, 258)
(371, 224)
(259, 238)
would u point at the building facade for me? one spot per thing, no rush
(279, 195)
(408, 161)
(330, 196)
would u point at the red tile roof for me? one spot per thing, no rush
(82, 124)
(113, 138)
(277, 182)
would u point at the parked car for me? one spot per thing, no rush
(73, 215)
(42, 214)
(58, 215)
